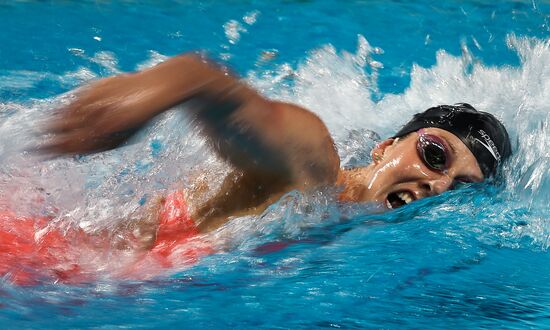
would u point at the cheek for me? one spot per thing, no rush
(392, 166)
(415, 169)
(384, 176)
(406, 163)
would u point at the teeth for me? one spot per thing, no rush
(405, 196)
(388, 205)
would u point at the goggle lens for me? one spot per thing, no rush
(432, 151)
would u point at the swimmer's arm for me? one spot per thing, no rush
(271, 141)
(267, 138)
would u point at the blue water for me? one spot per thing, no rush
(473, 258)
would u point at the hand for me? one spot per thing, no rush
(103, 115)
(109, 111)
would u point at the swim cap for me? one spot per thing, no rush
(480, 131)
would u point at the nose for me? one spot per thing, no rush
(438, 185)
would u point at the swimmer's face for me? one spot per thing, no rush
(405, 170)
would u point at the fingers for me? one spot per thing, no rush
(84, 141)
(64, 124)
(101, 117)
(66, 134)
(73, 129)
(89, 103)
(73, 117)
(72, 142)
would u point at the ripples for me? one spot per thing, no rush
(476, 257)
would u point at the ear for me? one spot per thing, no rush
(378, 151)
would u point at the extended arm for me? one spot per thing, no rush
(267, 139)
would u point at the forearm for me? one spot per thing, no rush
(273, 140)
(240, 123)
(107, 112)
(186, 77)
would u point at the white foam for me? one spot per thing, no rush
(250, 18)
(233, 30)
(341, 87)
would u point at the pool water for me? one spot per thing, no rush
(472, 258)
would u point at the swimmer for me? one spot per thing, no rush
(276, 147)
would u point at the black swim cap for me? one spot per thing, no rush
(480, 131)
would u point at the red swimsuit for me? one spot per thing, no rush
(30, 251)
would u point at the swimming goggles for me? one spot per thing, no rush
(433, 151)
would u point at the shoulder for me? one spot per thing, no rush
(315, 158)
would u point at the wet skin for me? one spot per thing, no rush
(397, 168)
(273, 147)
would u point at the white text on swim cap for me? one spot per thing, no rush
(490, 146)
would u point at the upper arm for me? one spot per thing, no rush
(276, 140)
(271, 140)
(306, 143)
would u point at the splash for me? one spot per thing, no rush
(233, 30)
(341, 88)
(96, 192)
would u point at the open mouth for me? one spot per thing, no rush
(399, 198)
